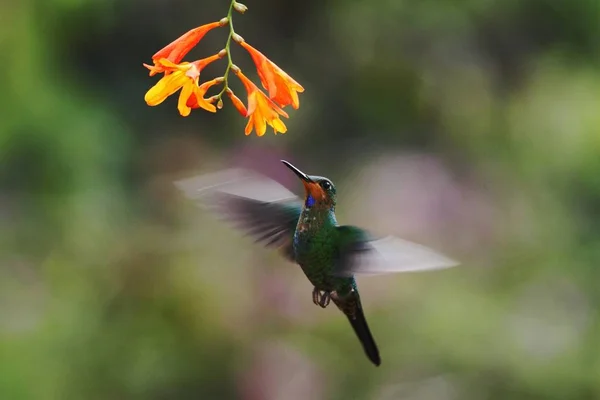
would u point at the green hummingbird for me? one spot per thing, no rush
(308, 234)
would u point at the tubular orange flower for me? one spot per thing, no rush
(184, 76)
(177, 49)
(237, 103)
(282, 88)
(261, 110)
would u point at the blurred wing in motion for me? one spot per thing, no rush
(256, 205)
(272, 224)
(234, 181)
(361, 254)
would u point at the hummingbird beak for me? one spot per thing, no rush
(299, 173)
(312, 188)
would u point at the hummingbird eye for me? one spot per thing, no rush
(326, 185)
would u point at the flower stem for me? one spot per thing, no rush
(228, 48)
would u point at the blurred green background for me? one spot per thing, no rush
(471, 126)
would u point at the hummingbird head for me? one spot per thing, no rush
(319, 191)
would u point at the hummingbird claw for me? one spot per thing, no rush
(325, 299)
(316, 294)
(321, 299)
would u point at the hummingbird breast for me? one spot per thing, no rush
(315, 248)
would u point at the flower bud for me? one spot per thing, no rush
(220, 104)
(239, 7)
(237, 103)
(223, 21)
(237, 38)
(235, 68)
(219, 79)
(222, 53)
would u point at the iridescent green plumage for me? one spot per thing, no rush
(319, 246)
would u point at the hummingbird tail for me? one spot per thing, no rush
(359, 323)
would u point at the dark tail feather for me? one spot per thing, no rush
(359, 323)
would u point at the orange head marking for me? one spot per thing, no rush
(315, 190)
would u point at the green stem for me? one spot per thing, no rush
(227, 47)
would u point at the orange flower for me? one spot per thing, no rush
(237, 103)
(282, 88)
(261, 110)
(177, 49)
(183, 76)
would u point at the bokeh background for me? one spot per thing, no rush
(471, 126)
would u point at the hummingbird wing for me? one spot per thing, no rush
(272, 224)
(256, 205)
(360, 253)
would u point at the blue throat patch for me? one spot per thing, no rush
(310, 201)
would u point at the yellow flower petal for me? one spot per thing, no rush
(164, 88)
(260, 123)
(249, 127)
(185, 94)
(169, 64)
(295, 99)
(278, 125)
(201, 90)
(202, 102)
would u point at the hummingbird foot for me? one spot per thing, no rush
(321, 298)
(325, 299)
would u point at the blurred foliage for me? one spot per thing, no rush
(113, 287)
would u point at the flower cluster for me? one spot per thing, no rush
(262, 108)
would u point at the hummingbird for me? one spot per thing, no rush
(307, 233)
